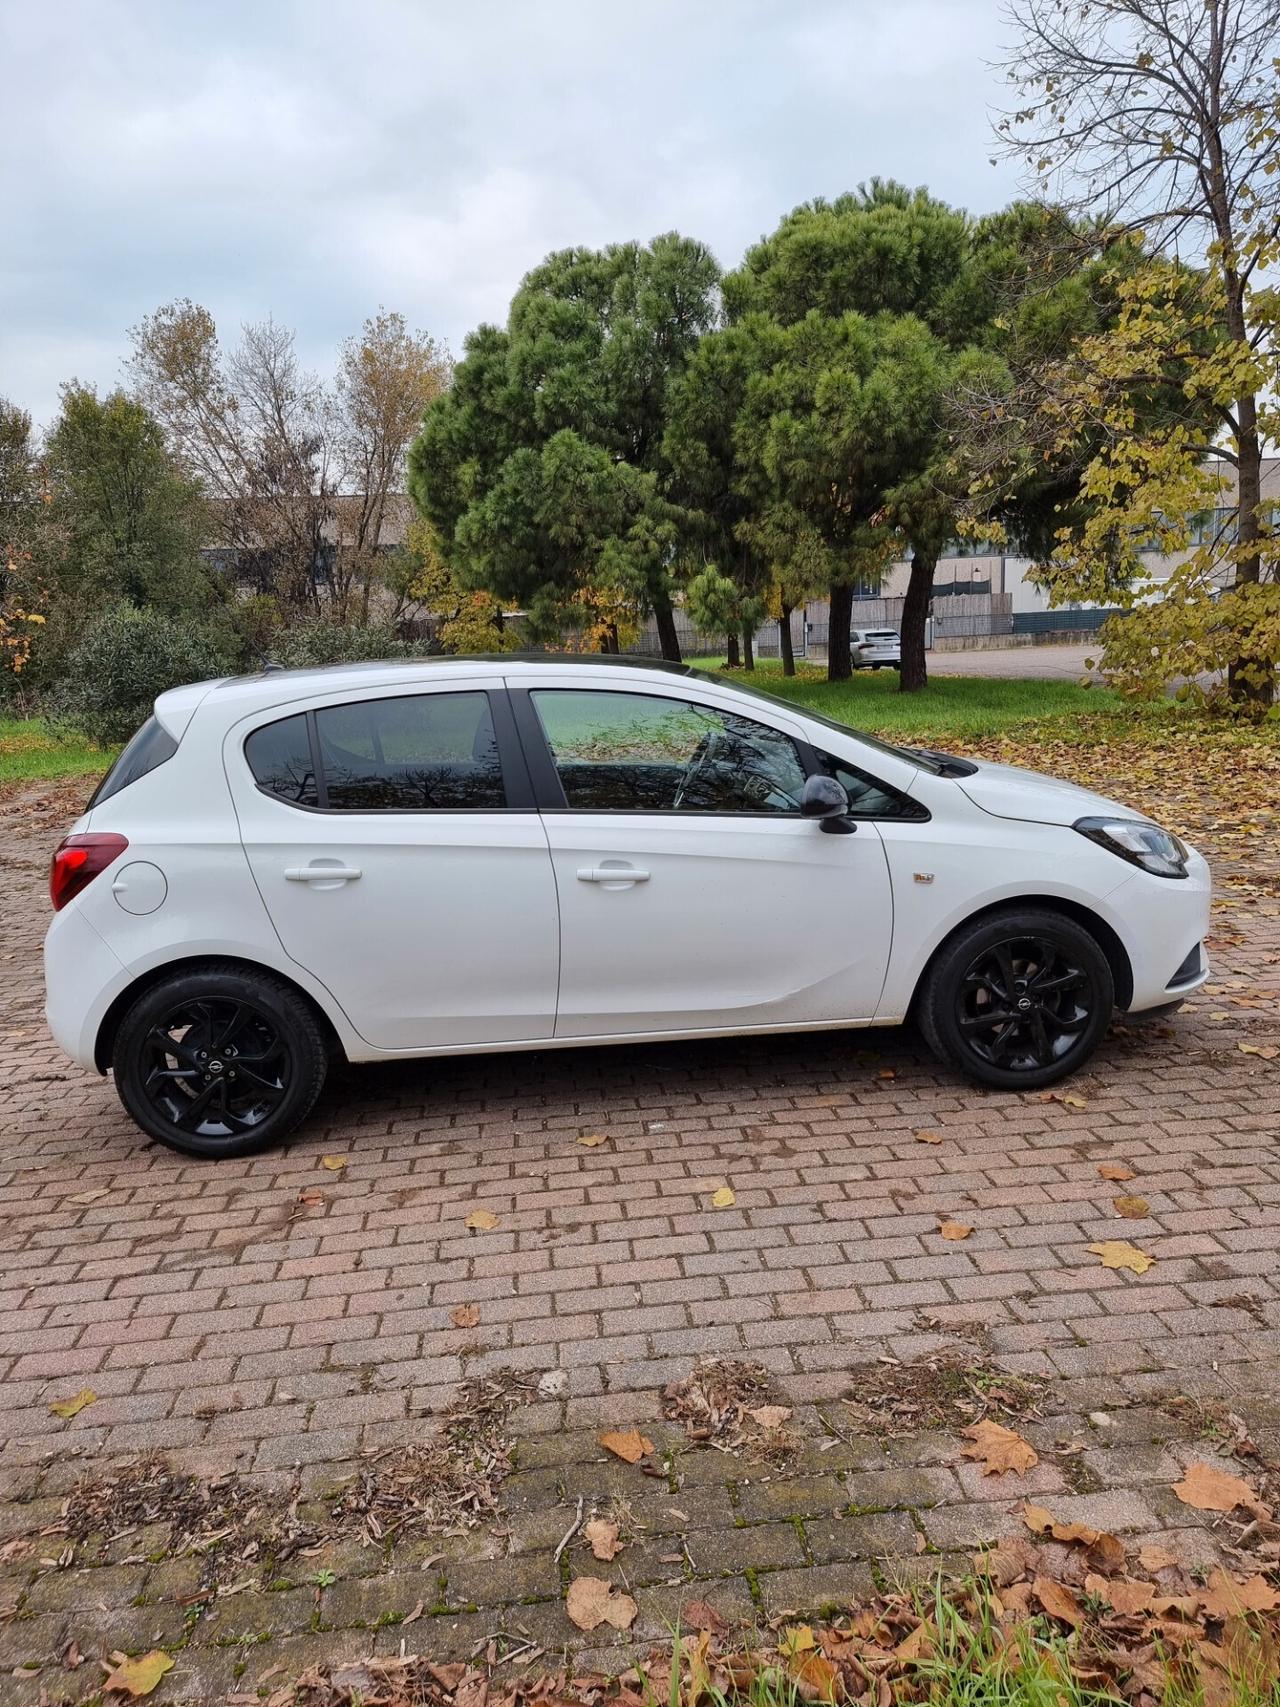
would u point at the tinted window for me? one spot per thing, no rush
(280, 758)
(150, 747)
(633, 752)
(419, 752)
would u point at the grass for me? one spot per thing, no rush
(32, 751)
(951, 707)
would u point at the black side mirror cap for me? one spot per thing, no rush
(824, 799)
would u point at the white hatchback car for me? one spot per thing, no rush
(444, 855)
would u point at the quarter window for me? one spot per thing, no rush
(630, 752)
(280, 758)
(869, 798)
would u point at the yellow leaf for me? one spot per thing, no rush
(482, 1220)
(954, 1230)
(73, 1407)
(797, 1639)
(139, 1676)
(589, 1140)
(628, 1444)
(335, 1164)
(723, 1199)
(1000, 1449)
(1119, 1253)
(1268, 1051)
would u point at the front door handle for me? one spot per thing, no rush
(611, 874)
(321, 873)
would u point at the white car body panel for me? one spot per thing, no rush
(471, 931)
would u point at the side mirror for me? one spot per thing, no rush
(824, 799)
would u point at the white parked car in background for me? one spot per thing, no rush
(875, 648)
(444, 855)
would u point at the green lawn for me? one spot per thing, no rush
(31, 751)
(950, 708)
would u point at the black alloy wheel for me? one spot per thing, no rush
(1018, 999)
(219, 1060)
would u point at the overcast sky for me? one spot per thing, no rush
(317, 159)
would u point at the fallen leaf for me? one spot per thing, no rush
(815, 1676)
(917, 1644)
(140, 1675)
(628, 1444)
(589, 1140)
(1114, 1171)
(924, 1136)
(1058, 1601)
(90, 1196)
(591, 1601)
(1042, 1522)
(335, 1164)
(464, 1316)
(1067, 1098)
(954, 1230)
(1123, 1594)
(481, 1221)
(1224, 1597)
(73, 1406)
(700, 1616)
(797, 1639)
(602, 1537)
(1119, 1253)
(1000, 1449)
(771, 1416)
(1132, 1208)
(311, 1197)
(1209, 1489)
(723, 1199)
(1268, 1051)
(1155, 1558)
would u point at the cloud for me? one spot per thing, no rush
(313, 159)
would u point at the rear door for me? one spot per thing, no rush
(394, 840)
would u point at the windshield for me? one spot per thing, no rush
(909, 755)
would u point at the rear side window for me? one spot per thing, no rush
(151, 746)
(280, 758)
(413, 753)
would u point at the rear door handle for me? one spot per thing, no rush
(321, 873)
(611, 874)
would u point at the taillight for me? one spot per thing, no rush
(78, 861)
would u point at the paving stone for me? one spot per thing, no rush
(792, 1496)
(817, 1589)
(874, 1536)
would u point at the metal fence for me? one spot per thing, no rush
(958, 616)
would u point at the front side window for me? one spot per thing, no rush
(631, 752)
(413, 753)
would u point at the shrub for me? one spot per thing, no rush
(125, 659)
(320, 642)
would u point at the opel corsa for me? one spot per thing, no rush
(433, 857)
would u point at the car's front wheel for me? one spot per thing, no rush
(219, 1060)
(1018, 999)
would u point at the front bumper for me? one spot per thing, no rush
(1164, 922)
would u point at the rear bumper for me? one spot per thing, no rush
(82, 976)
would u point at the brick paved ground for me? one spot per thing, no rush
(229, 1325)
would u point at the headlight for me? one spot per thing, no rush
(1147, 845)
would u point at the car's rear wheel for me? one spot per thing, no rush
(1018, 999)
(219, 1061)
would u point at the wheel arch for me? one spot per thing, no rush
(111, 1020)
(1105, 936)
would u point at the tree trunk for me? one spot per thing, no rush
(1250, 681)
(839, 656)
(669, 640)
(731, 652)
(784, 643)
(748, 650)
(914, 674)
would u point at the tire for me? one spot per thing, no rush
(253, 1072)
(1017, 955)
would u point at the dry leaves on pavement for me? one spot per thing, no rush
(137, 1676)
(465, 1316)
(728, 1405)
(73, 1406)
(602, 1537)
(1132, 1208)
(1119, 1253)
(926, 1136)
(954, 1230)
(1000, 1449)
(723, 1198)
(592, 1140)
(628, 1444)
(1115, 1171)
(1209, 1489)
(481, 1221)
(591, 1601)
(335, 1164)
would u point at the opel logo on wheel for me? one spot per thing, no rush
(1024, 1004)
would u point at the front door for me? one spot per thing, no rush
(693, 895)
(395, 844)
